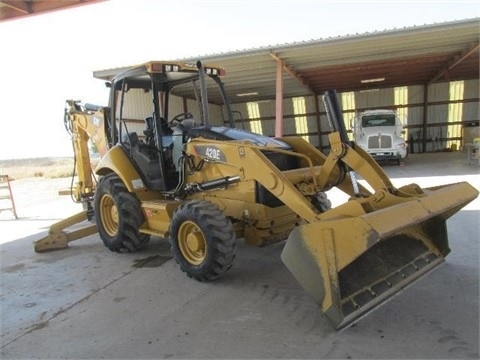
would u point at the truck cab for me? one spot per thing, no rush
(380, 133)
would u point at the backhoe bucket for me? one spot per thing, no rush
(354, 262)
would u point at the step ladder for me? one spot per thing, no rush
(6, 197)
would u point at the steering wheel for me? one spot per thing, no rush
(178, 119)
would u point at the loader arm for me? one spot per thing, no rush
(250, 163)
(294, 187)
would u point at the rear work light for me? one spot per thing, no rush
(210, 71)
(214, 71)
(169, 68)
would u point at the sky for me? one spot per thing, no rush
(47, 59)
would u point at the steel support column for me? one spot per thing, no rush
(279, 100)
(425, 113)
(317, 118)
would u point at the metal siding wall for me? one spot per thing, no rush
(309, 108)
(437, 113)
(472, 88)
(241, 118)
(215, 111)
(438, 92)
(139, 108)
(374, 99)
(471, 111)
(175, 107)
(415, 94)
(267, 109)
(415, 114)
(141, 104)
(288, 124)
(216, 115)
(311, 119)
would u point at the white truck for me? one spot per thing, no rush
(380, 133)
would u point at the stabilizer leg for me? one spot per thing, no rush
(58, 238)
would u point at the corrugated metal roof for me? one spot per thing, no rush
(408, 56)
(15, 9)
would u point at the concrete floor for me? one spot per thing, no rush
(88, 302)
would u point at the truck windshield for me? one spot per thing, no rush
(378, 120)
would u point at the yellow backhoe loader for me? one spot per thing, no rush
(202, 185)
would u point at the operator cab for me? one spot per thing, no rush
(155, 108)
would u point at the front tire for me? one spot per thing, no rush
(118, 216)
(202, 239)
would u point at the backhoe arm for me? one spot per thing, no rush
(83, 123)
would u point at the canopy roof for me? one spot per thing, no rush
(15, 9)
(418, 55)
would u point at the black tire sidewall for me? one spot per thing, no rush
(127, 238)
(220, 240)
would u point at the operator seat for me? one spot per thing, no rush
(149, 132)
(179, 135)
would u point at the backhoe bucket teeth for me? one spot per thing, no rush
(351, 264)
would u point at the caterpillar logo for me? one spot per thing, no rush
(211, 152)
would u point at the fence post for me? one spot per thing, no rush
(6, 194)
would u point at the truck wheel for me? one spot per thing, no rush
(118, 216)
(203, 241)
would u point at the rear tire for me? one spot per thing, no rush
(118, 216)
(202, 239)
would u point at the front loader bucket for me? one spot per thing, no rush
(351, 264)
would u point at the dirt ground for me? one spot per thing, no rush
(87, 302)
(38, 205)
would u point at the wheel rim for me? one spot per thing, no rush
(191, 242)
(109, 215)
